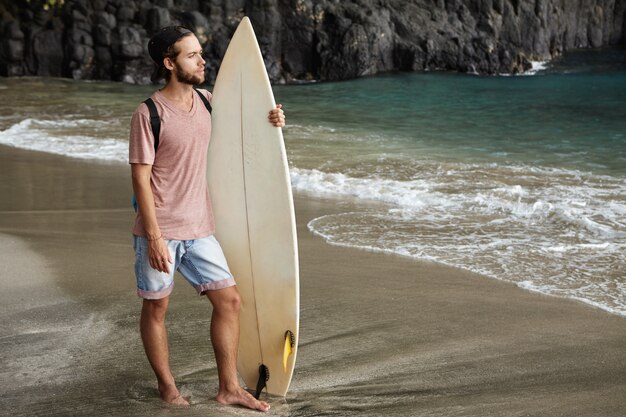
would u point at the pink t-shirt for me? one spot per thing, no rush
(179, 185)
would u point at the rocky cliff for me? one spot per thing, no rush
(304, 39)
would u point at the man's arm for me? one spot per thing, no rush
(158, 253)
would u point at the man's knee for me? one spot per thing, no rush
(226, 301)
(155, 309)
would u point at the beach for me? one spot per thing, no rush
(381, 334)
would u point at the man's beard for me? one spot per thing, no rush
(187, 77)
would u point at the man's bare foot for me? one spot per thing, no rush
(241, 397)
(170, 395)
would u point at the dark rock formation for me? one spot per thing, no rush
(305, 39)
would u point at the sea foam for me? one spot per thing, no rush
(564, 228)
(58, 137)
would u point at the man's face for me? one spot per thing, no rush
(188, 67)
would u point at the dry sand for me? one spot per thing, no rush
(380, 334)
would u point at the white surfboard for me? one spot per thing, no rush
(255, 223)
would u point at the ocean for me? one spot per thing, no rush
(518, 178)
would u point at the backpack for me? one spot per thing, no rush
(155, 124)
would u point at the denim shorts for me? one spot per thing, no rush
(199, 261)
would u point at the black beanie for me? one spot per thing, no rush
(163, 39)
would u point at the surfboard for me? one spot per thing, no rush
(250, 189)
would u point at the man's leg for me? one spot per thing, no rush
(154, 337)
(225, 340)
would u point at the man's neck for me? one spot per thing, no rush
(179, 93)
(176, 90)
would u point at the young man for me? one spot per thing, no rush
(174, 225)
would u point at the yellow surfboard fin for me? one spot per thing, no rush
(290, 341)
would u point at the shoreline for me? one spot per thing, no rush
(349, 203)
(519, 285)
(380, 333)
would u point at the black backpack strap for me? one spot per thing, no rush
(204, 100)
(155, 121)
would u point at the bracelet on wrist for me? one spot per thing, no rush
(156, 238)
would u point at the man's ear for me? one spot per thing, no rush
(168, 63)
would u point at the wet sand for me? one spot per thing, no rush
(380, 334)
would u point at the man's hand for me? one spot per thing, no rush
(277, 116)
(159, 256)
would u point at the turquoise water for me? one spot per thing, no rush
(520, 178)
(566, 120)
